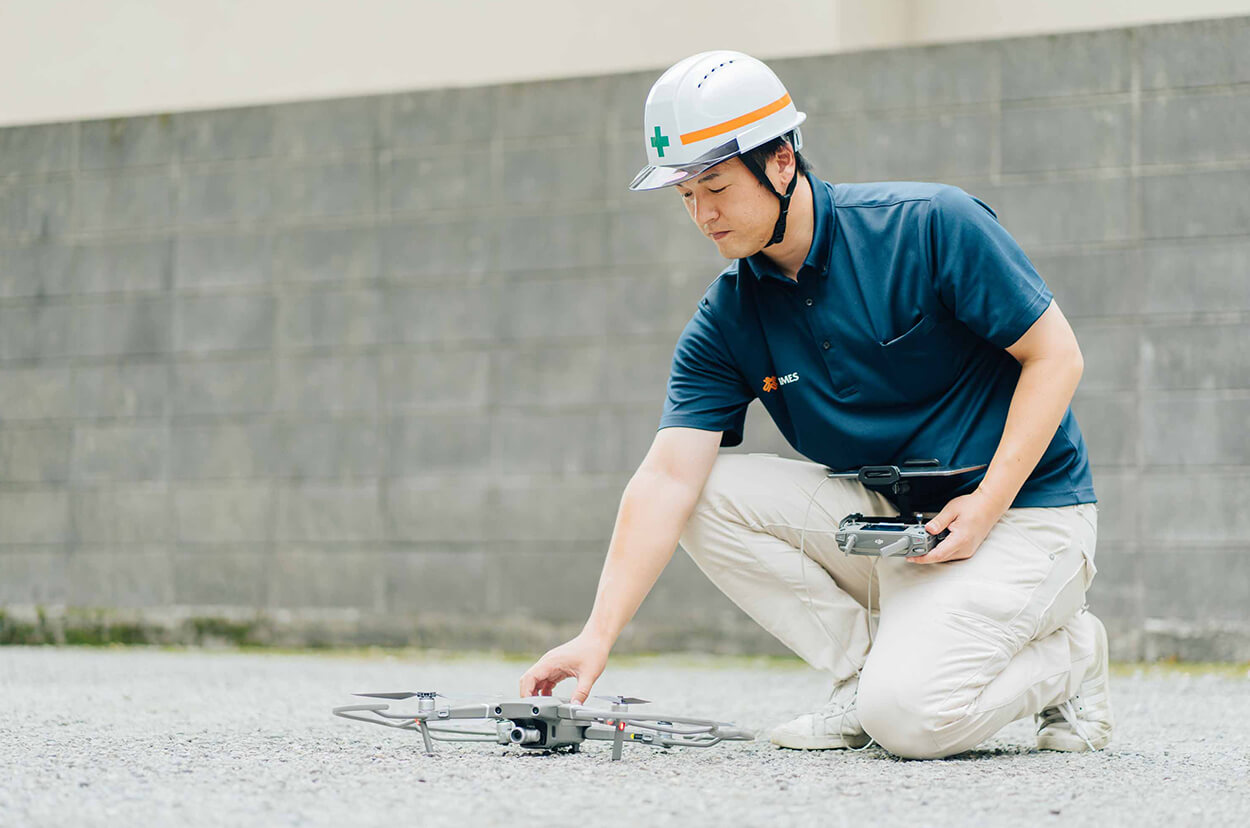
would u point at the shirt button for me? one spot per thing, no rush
(826, 345)
(807, 302)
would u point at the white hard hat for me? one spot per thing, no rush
(708, 108)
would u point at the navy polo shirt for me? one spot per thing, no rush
(889, 347)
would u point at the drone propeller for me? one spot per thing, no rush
(424, 694)
(623, 699)
(428, 696)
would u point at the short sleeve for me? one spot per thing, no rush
(705, 389)
(981, 273)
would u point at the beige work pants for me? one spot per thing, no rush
(962, 647)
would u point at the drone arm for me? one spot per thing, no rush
(468, 711)
(654, 724)
(651, 721)
(601, 733)
(605, 733)
(407, 721)
(379, 717)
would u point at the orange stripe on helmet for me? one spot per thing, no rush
(734, 123)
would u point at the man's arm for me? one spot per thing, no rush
(1050, 369)
(654, 509)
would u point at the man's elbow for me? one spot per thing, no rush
(1066, 362)
(651, 478)
(651, 482)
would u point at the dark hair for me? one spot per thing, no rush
(767, 150)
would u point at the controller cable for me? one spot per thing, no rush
(808, 600)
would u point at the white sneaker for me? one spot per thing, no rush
(1084, 721)
(833, 725)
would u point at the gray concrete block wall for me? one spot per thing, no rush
(384, 365)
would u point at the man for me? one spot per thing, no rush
(876, 323)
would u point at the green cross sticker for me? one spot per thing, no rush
(659, 141)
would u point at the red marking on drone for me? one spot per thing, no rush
(620, 725)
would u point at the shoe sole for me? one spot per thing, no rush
(812, 743)
(1070, 742)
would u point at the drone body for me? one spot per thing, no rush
(538, 724)
(545, 723)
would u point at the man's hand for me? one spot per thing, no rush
(969, 519)
(583, 657)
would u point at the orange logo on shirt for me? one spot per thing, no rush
(773, 383)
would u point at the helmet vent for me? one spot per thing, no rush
(699, 85)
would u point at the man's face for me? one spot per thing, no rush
(732, 208)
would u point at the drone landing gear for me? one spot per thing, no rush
(618, 741)
(425, 736)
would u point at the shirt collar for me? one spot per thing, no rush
(817, 261)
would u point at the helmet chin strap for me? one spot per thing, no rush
(779, 229)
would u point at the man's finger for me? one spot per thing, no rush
(940, 521)
(938, 553)
(584, 683)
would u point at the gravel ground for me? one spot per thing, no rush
(153, 737)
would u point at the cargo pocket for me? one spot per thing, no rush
(1063, 536)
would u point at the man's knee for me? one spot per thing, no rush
(895, 714)
(713, 505)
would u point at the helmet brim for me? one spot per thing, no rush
(653, 178)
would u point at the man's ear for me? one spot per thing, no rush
(782, 166)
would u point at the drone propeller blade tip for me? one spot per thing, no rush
(623, 699)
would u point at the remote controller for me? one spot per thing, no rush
(885, 537)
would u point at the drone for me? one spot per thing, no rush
(542, 723)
